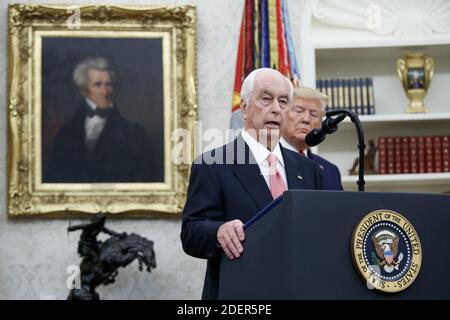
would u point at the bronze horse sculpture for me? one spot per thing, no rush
(369, 161)
(102, 259)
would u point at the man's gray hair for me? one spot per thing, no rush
(80, 74)
(249, 82)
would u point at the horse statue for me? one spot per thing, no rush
(102, 259)
(369, 161)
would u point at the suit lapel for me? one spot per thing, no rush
(292, 166)
(103, 142)
(249, 175)
(77, 127)
(314, 158)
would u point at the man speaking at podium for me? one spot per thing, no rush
(230, 184)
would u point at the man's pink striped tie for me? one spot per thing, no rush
(277, 185)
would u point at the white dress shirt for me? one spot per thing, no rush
(261, 153)
(93, 126)
(289, 146)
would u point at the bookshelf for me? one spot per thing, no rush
(330, 49)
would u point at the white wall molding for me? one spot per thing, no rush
(386, 19)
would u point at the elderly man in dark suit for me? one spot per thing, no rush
(98, 144)
(230, 184)
(304, 115)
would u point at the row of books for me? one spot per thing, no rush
(354, 94)
(414, 154)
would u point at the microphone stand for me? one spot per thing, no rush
(361, 146)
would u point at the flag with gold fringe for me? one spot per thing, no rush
(265, 41)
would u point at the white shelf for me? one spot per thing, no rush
(423, 182)
(422, 178)
(405, 117)
(378, 121)
(390, 43)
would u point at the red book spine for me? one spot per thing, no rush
(421, 154)
(413, 160)
(437, 154)
(382, 155)
(429, 158)
(445, 142)
(398, 155)
(405, 155)
(390, 155)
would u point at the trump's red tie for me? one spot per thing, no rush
(277, 185)
(301, 152)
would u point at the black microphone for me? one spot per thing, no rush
(329, 125)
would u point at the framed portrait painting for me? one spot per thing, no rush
(416, 78)
(102, 104)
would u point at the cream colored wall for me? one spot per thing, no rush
(35, 253)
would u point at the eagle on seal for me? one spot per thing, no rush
(387, 251)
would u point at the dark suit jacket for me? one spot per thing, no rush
(330, 173)
(123, 153)
(228, 190)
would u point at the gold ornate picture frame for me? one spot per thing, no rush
(145, 59)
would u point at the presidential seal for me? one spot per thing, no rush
(386, 251)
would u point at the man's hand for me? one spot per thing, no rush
(229, 236)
